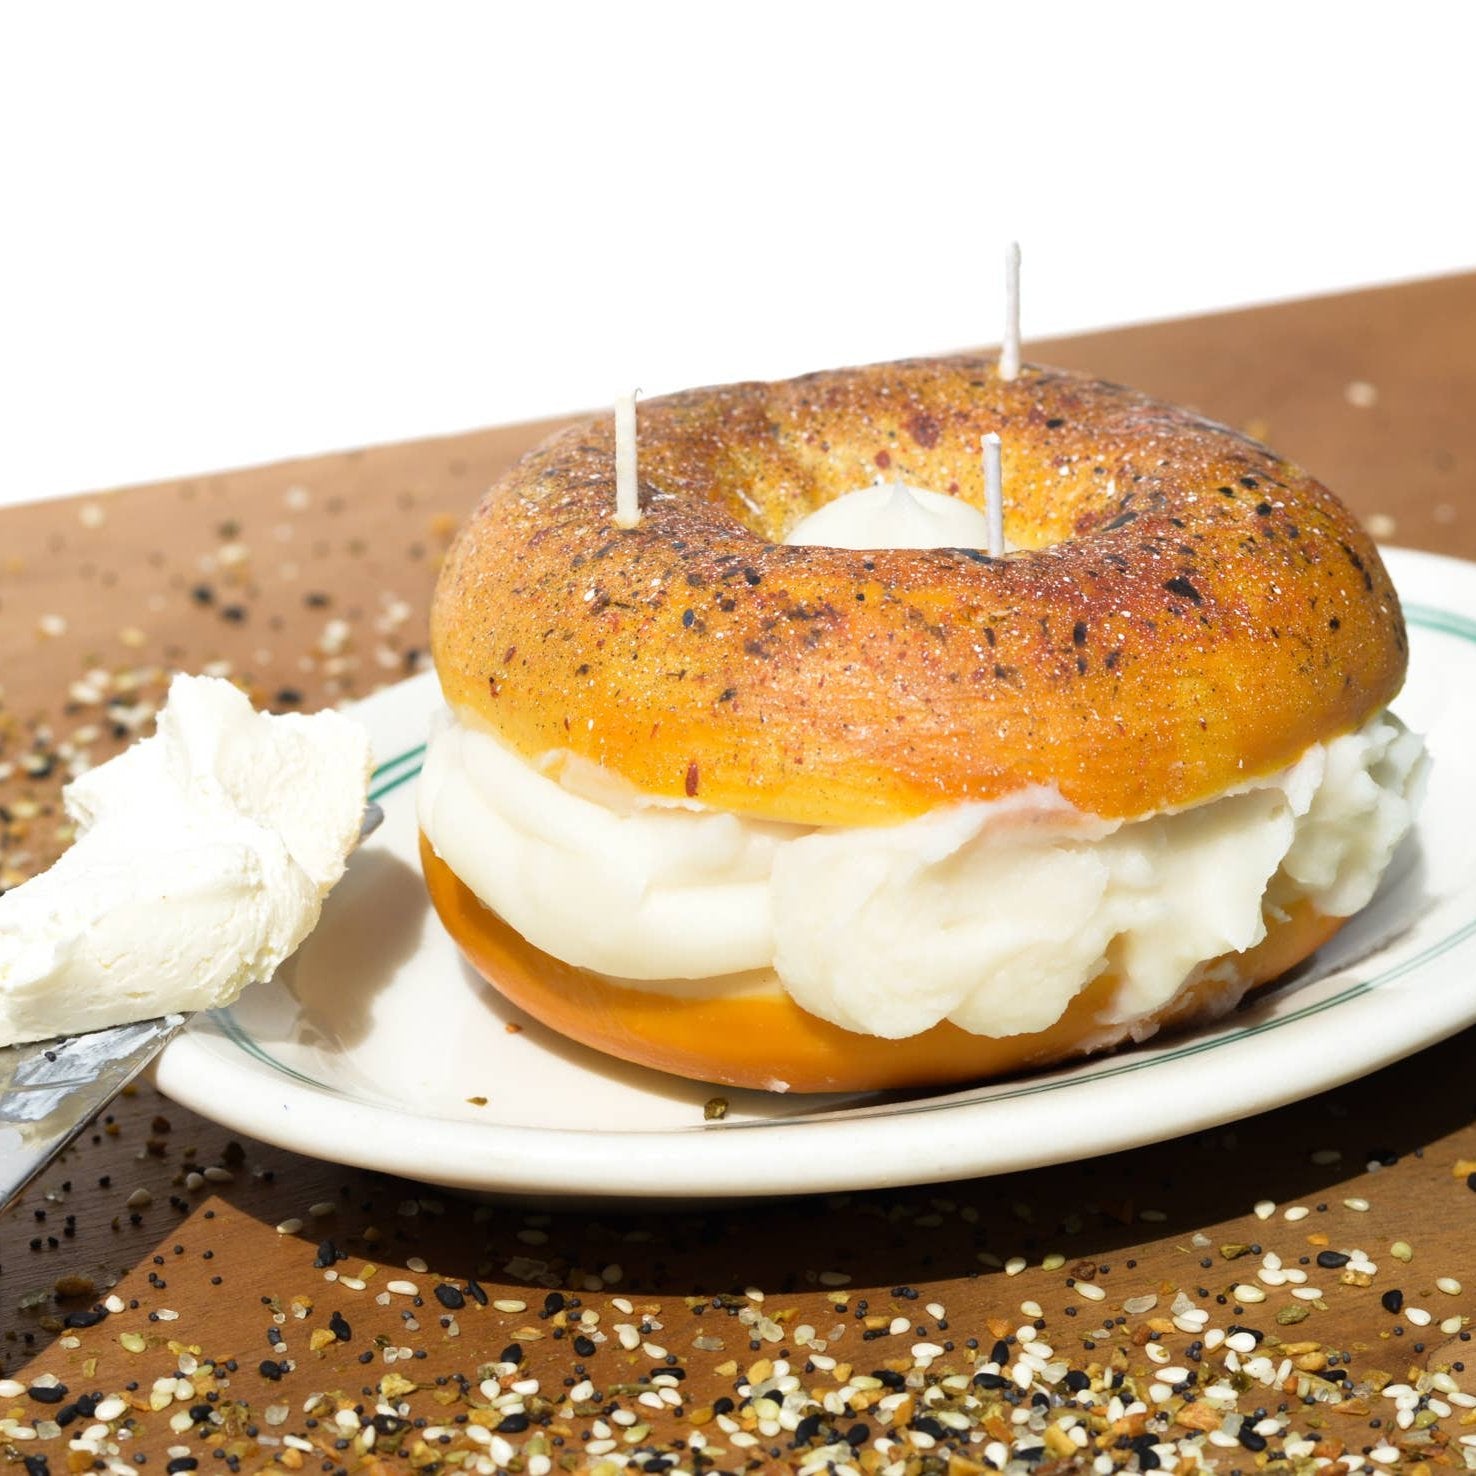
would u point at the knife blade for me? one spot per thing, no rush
(51, 1089)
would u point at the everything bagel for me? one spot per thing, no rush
(818, 818)
(1187, 608)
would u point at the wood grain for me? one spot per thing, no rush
(250, 569)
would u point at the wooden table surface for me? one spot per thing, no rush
(174, 1298)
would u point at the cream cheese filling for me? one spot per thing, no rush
(992, 915)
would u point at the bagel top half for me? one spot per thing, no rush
(1185, 609)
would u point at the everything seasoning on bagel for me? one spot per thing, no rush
(1118, 504)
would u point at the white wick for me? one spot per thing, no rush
(994, 496)
(1009, 354)
(627, 489)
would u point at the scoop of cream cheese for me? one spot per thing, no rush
(893, 515)
(202, 859)
(993, 915)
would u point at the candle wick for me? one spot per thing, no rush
(994, 495)
(627, 487)
(1009, 354)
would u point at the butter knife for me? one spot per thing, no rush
(51, 1089)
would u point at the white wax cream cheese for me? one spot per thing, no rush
(202, 858)
(893, 515)
(992, 915)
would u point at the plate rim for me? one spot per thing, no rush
(510, 1158)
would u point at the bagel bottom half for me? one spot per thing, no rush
(762, 1038)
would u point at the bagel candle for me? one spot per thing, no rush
(792, 786)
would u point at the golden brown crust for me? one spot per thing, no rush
(1190, 610)
(760, 1039)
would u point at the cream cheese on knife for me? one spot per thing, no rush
(202, 859)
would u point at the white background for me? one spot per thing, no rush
(233, 233)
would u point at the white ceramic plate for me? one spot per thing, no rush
(371, 1043)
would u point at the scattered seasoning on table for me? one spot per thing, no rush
(594, 1350)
